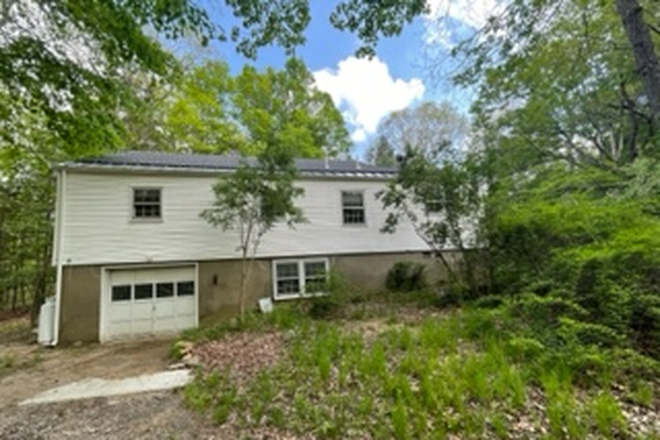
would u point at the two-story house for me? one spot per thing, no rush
(134, 257)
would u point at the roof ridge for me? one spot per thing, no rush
(222, 161)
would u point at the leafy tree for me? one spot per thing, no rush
(285, 109)
(430, 127)
(555, 87)
(646, 58)
(199, 118)
(26, 205)
(442, 202)
(216, 112)
(381, 153)
(251, 201)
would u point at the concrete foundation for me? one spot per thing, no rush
(219, 286)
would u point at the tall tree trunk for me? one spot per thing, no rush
(638, 33)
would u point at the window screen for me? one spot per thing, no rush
(146, 203)
(287, 278)
(353, 207)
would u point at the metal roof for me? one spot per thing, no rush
(141, 160)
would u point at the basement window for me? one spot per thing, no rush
(299, 278)
(147, 203)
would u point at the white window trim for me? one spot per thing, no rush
(132, 216)
(301, 277)
(364, 208)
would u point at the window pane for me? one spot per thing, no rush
(185, 288)
(352, 199)
(287, 270)
(315, 268)
(121, 293)
(164, 290)
(146, 203)
(288, 287)
(147, 195)
(353, 216)
(315, 285)
(144, 291)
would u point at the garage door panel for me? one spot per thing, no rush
(153, 305)
(142, 326)
(185, 308)
(165, 309)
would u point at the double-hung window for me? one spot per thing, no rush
(299, 278)
(147, 204)
(352, 203)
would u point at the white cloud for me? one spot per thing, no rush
(365, 92)
(471, 14)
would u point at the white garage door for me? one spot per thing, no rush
(150, 301)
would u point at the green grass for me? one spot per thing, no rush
(16, 330)
(459, 374)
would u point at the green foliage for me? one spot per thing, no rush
(406, 276)
(586, 114)
(442, 202)
(381, 153)
(325, 306)
(435, 130)
(214, 111)
(438, 376)
(607, 416)
(251, 201)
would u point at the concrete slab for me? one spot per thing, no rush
(90, 388)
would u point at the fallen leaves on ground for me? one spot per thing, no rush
(242, 355)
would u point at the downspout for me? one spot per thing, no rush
(59, 241)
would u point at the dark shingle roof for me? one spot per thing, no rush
(209, 162)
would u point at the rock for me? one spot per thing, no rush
(184, 347)
(178, 366)
(191, 360)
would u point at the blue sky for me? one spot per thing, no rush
(364, 90)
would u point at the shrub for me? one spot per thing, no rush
(488, 302)
(585, 333)
(546, 312)
(523, 349)
(406, 276)
(325, 306)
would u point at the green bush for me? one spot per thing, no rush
(324, 307)
(406, 276)
(488, 302)
(586, 333)
(545, 312)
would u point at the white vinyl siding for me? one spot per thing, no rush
(98, 229)
(299, 278)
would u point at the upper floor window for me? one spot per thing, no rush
(147, 203)
(352, 203)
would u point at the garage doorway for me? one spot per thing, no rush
(148, 301)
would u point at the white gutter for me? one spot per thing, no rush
(59, 245)
(357, 173)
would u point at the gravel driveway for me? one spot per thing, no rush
(159, 415)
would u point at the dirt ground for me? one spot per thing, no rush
(38, 369)
(157, 415)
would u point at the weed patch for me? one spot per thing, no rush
(434, 377)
